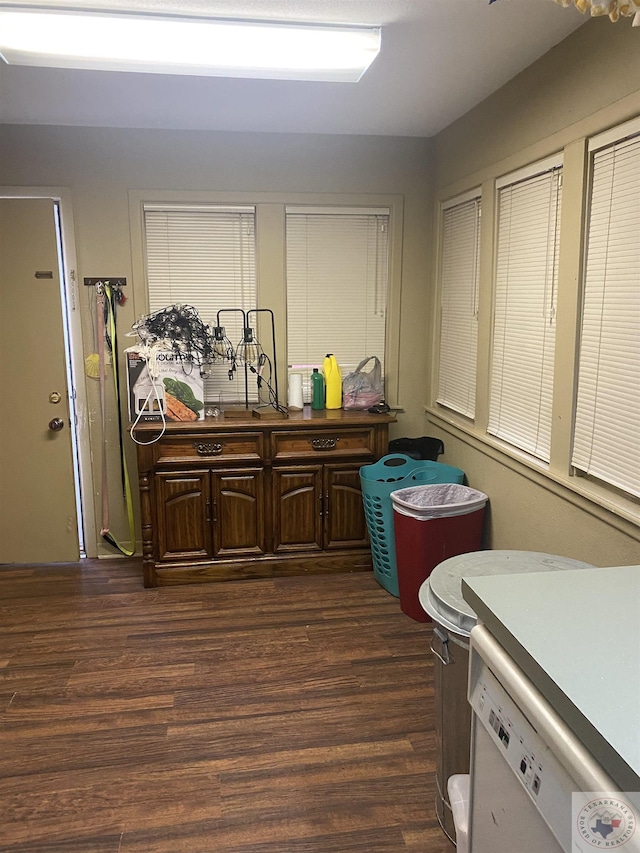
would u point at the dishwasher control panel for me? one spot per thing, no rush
(531, 761)
(520, 744)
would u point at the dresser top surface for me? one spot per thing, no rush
(306, 419)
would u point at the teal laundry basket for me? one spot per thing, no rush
(377, 481)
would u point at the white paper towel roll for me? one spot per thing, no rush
(295, 391)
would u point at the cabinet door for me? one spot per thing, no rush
(298, 507)
(344, 521)
(182, 511)
(237, 512)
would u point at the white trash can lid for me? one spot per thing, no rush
(441, 594)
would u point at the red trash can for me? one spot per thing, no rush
(431, 524)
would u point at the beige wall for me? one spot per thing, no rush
(101, 166)
(534, 516)
(588, 83)
(553, 101)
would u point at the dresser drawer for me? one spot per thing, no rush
(323, 443)
(224, 447)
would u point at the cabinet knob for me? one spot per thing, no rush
(207, 449)
(323, 443)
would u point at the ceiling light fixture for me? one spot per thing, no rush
(177, 45)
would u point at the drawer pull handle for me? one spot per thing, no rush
(323, 443)
(204, 449)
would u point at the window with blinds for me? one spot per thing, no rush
(607, 422)
(524, 326)
(337, 275)
(459, 277)
(204, 256)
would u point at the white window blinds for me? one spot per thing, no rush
(524, 311)
(204, 256)
(337, 274)
(459, 275)
(607, 425)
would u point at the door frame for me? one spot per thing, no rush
(71, 306)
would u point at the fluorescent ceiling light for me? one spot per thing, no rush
(172, 45)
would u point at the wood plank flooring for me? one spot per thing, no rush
(290, 715)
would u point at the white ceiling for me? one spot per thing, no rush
(439, 58)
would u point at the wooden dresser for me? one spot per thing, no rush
(256, 497)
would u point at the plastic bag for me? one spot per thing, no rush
(362, 389)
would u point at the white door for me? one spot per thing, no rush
(38, 519)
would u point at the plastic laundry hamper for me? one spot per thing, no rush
(377, 481)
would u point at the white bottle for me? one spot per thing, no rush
(295, 391)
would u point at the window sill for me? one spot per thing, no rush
(614, 509)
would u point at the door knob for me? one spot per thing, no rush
(56, 424)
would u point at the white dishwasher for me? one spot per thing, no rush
(554, 688)
(546, 762)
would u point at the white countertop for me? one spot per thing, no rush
(576, 635)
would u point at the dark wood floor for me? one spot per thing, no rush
(269, 716)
